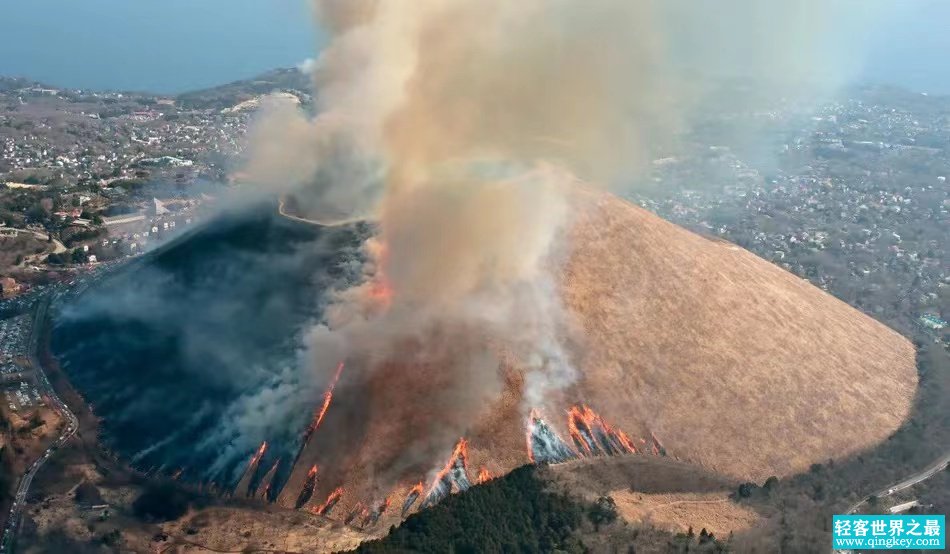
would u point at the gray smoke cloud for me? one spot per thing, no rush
(461, 126)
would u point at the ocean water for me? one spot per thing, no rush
(162, 46)
(172, 46)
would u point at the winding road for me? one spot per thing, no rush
(319, 223)
(919, 477)
(928, 472)
(19, 501)
(58, 246)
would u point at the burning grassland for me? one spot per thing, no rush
(244, 484)
(414, 493)
(332, 500)
(389, 429)
(594, 436)
(493, 284)
(496, 282)
(327, 398)
(454, 476)
(373, 517)
(321, 412)
(264, 491)
(307, 492)
(590, 433)
(544, 445)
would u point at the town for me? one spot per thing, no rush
(854, 199)
(91, 177)
(852, 196)
(20, 393)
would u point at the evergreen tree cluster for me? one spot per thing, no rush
(511, 514)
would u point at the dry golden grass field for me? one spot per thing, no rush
(736, 365)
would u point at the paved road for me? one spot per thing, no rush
(918, 477)
(58, 246)
(72, 425)
(319, 223)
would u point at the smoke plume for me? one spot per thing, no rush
(460, 127)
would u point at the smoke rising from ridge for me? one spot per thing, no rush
(460, 126)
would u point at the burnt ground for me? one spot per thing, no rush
(86, 500)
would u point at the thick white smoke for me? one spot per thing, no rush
(460, 126)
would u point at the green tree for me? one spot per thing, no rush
(602, 512)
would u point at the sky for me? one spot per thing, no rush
(912, 49)
(170, 46)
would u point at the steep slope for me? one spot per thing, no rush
(551, 509)
(733, 364)
(732, 361)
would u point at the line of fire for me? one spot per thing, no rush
(588, 435)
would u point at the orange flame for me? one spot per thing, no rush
(381, 292)
(255, 458)
(414, 494)
(625, 440)
(573, 415)
(259, 454)
(319, 414)
(327, 398)
(306, 493)
(330, 502)
(460, 453)
(583, 415)
(372, 517)
(484, 476)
